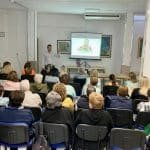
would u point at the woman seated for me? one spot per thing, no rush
(121, 100)
(28, 69)
(95, 115)
(112, 80)
(7, 68)
(55, 113)
(12, 83)
(132, 82)
(38, 86)
(66, 100)
(141, 92)
(69, 88)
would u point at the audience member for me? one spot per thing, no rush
(145, 105)
(38, 86)
(15, 112)
(63, 70)
(141, 92)
(30, 99)
(66, 101)
(28, 69)
(12, 83)
(83, 101)
(69, 88)
(132, 83)
(121, 100)
(4, 101)
(112, 80)
(7, 68)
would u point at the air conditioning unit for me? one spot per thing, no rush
(101, 16)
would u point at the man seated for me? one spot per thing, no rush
(121, 100)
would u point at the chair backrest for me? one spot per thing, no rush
(28, 77)
(91, 137)
(55, 133)
(91, 132)
(14, 133)
(121, 117)
(142, 119)
(109, 90)
(127, 139)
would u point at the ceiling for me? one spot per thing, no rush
(77, 6)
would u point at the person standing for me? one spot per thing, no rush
(47, 57)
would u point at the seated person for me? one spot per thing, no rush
(67, 102)
(69, 88)
(47, 70)
(38, 86)
(83, 101)
(94, 83)
(145, 105)
(15, 113)
(141, 92)
(132, 82)
(121, 100)
(30, 99)
(28, 70)
(3, 100)
(7, 68)
(56, 113)
(112, 80)
(95, 115)
(12, 83)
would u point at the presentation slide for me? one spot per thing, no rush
(86, 45)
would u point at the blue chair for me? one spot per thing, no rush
(14, 135)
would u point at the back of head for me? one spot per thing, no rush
(1, 90)
(144, 82)
(16, 98)
(60, 89)
(112, 77)
(64, 78)
(38, 78)
(96, 101)
(25, 85)
(93, 80)
(132, 77)
(90, 89)
(12, 76)
(53, 100)
(122, 91)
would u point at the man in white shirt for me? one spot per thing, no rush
(47, 57)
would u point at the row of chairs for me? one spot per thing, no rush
(16, 135)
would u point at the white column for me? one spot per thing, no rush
(32, 35)
(127, 46)
(145, 63)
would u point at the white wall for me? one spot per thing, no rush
(139, 26)
(53, 27)
(13, 46)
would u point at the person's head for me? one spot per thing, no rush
(16, 98)
(132, 76)
(90, 89)
(28, 68)
(94, 73)
(49, 48)
(53, 100)
(144, 82)
(60, 89)
(112, 77)
(25, 85)
(12, 76)
(7, 68)
(64, 78)
(38, 78)
(122, 91)
(93, 80)
(1, 90)
(96, 101)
